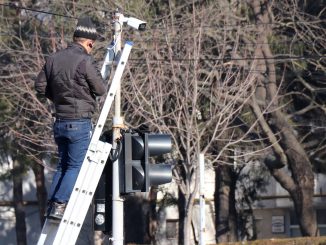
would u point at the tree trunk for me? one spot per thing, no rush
(300, 184)
(187, 222)
(287, 148)
(233, 215)
(41, 192)
(182, 214)
(185, 205)
(18, 204)
(226, 222)
(302, 174)
(187, 193)
(152, 217)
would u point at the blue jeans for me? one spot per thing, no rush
(72, 138)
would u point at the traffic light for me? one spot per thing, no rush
(137, 174)
(102, 202)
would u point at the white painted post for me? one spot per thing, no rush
(202, 199)
(117, 201)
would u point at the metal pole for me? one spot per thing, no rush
(202, 199)
(117, 201)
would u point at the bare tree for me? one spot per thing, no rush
(26, 122)
(210, 73)
(191, 90)
(196, 86)
(287, 146)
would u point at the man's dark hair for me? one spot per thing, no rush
(79, 39)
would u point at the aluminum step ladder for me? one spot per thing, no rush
(67, 231)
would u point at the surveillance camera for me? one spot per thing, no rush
(136, 23)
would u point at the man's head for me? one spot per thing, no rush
(85, 33)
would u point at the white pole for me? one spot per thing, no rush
(202, 199)
(117, 201)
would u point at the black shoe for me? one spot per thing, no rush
(57, 211)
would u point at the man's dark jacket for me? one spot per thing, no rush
(70, 79)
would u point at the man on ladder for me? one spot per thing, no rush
(71, 81)
(84, 75)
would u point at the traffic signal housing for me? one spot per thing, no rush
(137, 174)
(102, 209)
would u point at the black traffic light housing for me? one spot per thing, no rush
(136, 173)
(103, 202)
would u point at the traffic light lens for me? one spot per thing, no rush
(157, 144)
(138, 176)
(160, 174)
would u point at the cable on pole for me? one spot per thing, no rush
(217, 26)
(311, 57)
(13, 5)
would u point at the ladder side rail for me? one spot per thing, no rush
(78, 193)
(108, 102)
(85, 204)
(52, 231)
(48, 233)
(73, 227)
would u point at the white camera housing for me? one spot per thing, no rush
(135, 23)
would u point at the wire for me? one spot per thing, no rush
(57, 35)
(136, 61)
(12, 5)
(238, 59)
(277, 57)
(115, 153)
(238, 25)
